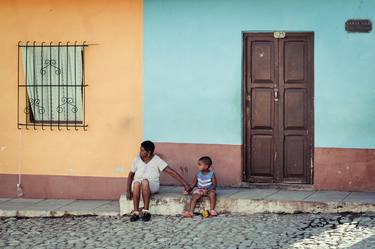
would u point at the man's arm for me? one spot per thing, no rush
(177, 176)
(129, 185)
(195, 182)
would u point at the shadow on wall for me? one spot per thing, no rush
(227, 163)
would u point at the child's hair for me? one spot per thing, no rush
(148, 146)
(206, 160)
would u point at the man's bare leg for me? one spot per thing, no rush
(136, 195)
(146, 194)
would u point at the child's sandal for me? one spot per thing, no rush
(213, 212)
(187, 214)
(185, 193)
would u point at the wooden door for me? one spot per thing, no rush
(278, 103)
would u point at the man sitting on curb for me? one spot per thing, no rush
(144, 177)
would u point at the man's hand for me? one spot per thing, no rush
(188, 189)
(129, 195)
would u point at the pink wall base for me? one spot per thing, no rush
(63, 187)
(334, 169)
(344, 169)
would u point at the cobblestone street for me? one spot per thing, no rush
(225, 231)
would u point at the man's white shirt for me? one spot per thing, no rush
(150, 171)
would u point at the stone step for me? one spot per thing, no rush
(170, 201)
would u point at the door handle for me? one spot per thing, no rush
(276, 94)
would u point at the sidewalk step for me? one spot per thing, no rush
(170, 201)
(250, 201)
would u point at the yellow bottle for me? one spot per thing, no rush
(205, 214)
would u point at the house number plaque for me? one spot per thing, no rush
(279, 35)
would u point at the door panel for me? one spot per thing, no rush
(294, 61)
(278, 102)
(294, 156)
(262, 114)
(262, 62)
(294, 109)
(262, 159)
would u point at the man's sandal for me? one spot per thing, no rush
(146, 216)
(187, 214)
(134, 216)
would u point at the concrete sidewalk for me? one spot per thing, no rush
(56, 207)
(170, 201)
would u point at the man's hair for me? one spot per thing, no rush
(206, 160)
(148, 146)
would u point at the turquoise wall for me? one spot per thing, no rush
(192, 68)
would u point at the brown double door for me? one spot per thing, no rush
(278, 102)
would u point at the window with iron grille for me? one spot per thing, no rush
(51, 85)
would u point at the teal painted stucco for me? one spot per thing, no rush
(193, 68)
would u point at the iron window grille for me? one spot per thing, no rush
(51, 85)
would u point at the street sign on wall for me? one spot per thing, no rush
(358, 25)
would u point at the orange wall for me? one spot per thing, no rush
(113, 97)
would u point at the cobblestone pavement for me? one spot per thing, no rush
(225, 231)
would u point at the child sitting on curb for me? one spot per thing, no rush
(206, 183)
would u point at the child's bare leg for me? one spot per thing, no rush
(146, 194)
(136, 195)
(193, 202)
(212, 197)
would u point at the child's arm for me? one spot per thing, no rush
(214, 182)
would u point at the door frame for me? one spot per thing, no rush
(246, 101)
